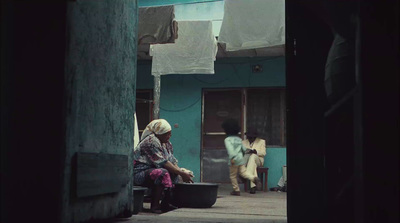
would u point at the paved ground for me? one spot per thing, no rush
(259, 207)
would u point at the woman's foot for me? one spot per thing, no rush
(253, 190)
(155, 206)
(235, 193)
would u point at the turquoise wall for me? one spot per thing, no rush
(180, 102)
(148, 3)
(275, 160)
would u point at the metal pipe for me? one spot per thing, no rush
(156, 102)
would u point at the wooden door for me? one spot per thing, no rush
(218, 105)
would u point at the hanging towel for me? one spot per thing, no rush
(136, 133)
(194, 52)
(157, 25)
(251, 24)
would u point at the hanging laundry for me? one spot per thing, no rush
(136, 138)
(157, 25)
(194, 52)
(251, 24)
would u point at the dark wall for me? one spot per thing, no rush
(308, 42)
(33, 54)
(379, 65)
(100, 73)
(67, 85)
(343, 158)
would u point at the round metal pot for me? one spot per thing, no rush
(194, 195)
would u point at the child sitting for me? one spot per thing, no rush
(235, 149)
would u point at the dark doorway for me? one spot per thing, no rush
(338, 153)
(144, 108)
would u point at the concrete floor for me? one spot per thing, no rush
(260, 207)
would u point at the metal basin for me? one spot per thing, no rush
(195, 195)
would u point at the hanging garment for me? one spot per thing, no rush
(194, 52)
(136, 133)
(157, 25)
(251, 24)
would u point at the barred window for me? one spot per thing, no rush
(266, 112)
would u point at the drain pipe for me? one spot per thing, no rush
(156, 101)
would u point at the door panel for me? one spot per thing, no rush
(218, 106)
(213, 141)
(215, 166)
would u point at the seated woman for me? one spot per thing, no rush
(154, 163)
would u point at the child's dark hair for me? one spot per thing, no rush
(231, 126)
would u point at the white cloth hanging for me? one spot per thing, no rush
(136, 133)
(251, 24)
(193, 52)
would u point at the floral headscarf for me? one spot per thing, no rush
(157, 126)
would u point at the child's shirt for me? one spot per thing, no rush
(235, 149)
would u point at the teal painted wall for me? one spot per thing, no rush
(275, 160)
(181, 102)
(100, 76)
(148, 3)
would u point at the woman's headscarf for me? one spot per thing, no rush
(157, 126)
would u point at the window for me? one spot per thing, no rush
(265, 110)
(261, 108)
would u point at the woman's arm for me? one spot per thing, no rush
(172, 168)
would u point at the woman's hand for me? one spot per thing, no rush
(232, 162)
(173, 168)
(186, 177)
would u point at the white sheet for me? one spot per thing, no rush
(194, 52)
(136, 138)
(251, 24)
